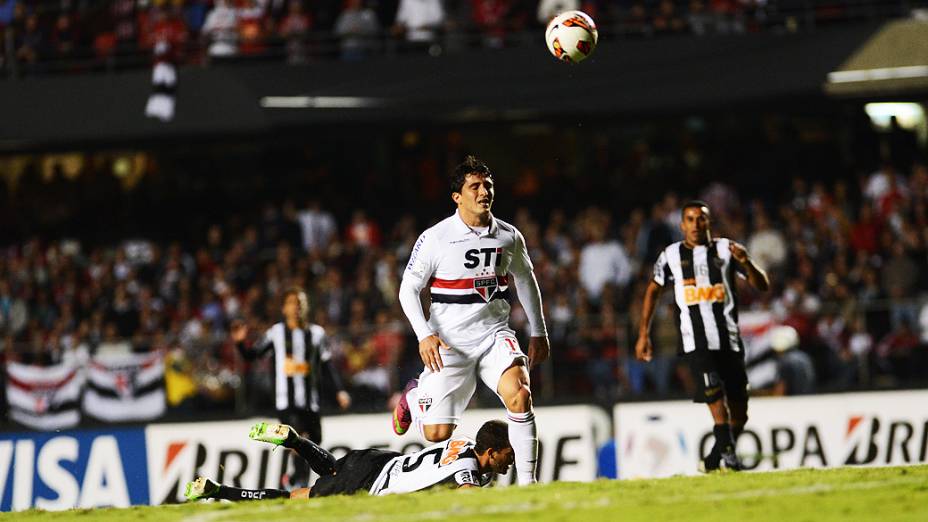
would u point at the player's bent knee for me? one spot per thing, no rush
(520, 401)
(438, 432)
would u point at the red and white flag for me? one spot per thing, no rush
(44, 397)
(125, 387)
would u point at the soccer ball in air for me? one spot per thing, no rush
(571, 36)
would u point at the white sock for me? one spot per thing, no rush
(412, 398)
(524, 439)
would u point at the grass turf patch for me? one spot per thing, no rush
(840, 495)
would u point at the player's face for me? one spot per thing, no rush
(695, 225)
(293, 307)
(501, 460)
(476, 196)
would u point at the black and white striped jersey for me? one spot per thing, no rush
(298, 357)
(705, 294)
(452, 462)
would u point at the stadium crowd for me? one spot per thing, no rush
(39, 36)
(848, 261)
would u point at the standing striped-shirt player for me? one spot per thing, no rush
(299, 351)
(702, 272)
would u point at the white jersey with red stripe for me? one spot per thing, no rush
(452, 462)
(469, 273)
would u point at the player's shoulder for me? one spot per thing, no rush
(438, 230)
(721, 244)
(315, 330)
(457, 441)
(507, 229)
(278, 326)
(666, 252)
(505, 226)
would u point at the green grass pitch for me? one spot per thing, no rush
(841, 495)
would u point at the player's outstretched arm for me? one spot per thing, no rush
(756, 277)
(238, 333)
(643, 348)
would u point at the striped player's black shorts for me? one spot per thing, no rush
(354, 472)
(718, 374)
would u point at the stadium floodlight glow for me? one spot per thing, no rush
(882, 73)
(316, 102)
(909, 115)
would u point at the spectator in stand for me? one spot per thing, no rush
(64, 38)
(667, 20)
(767, 245)
(865, 233)
(294, 28)
(317, 226)
(895, 352)
(548, 9)
(251, 27)
(698, 20)
(655, 234)
(602, 261)
(28, 45)
(795, 373)
(7, 7)
(167, 28)
(637, 21)
(125, 25)
(363, 232)
(419, 21)
(900, 274)
(195, 13)
(357, 28)
(220, 30)
(492, 17)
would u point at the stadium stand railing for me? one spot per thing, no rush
(93, 46)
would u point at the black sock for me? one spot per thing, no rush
(299, 476)
(736, 430)
(723, 438)
(233, 493)
(320, 460)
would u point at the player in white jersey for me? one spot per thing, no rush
(458, 462)
(469, 263)
(701, 271)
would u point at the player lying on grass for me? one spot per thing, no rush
(457, 462)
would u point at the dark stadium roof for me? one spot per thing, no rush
(645, 76)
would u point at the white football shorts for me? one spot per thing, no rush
(442, 397)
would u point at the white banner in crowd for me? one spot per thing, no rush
(125, 387)
(177, 453)
(44, 397)
(660, 439)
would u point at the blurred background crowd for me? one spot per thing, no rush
(162, 250)
(43, 36)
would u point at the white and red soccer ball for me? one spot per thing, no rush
(571, 36)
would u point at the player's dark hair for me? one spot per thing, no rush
(296, 290)
(494, 435)
(470, 165)
(293, 290)
(694, 203)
